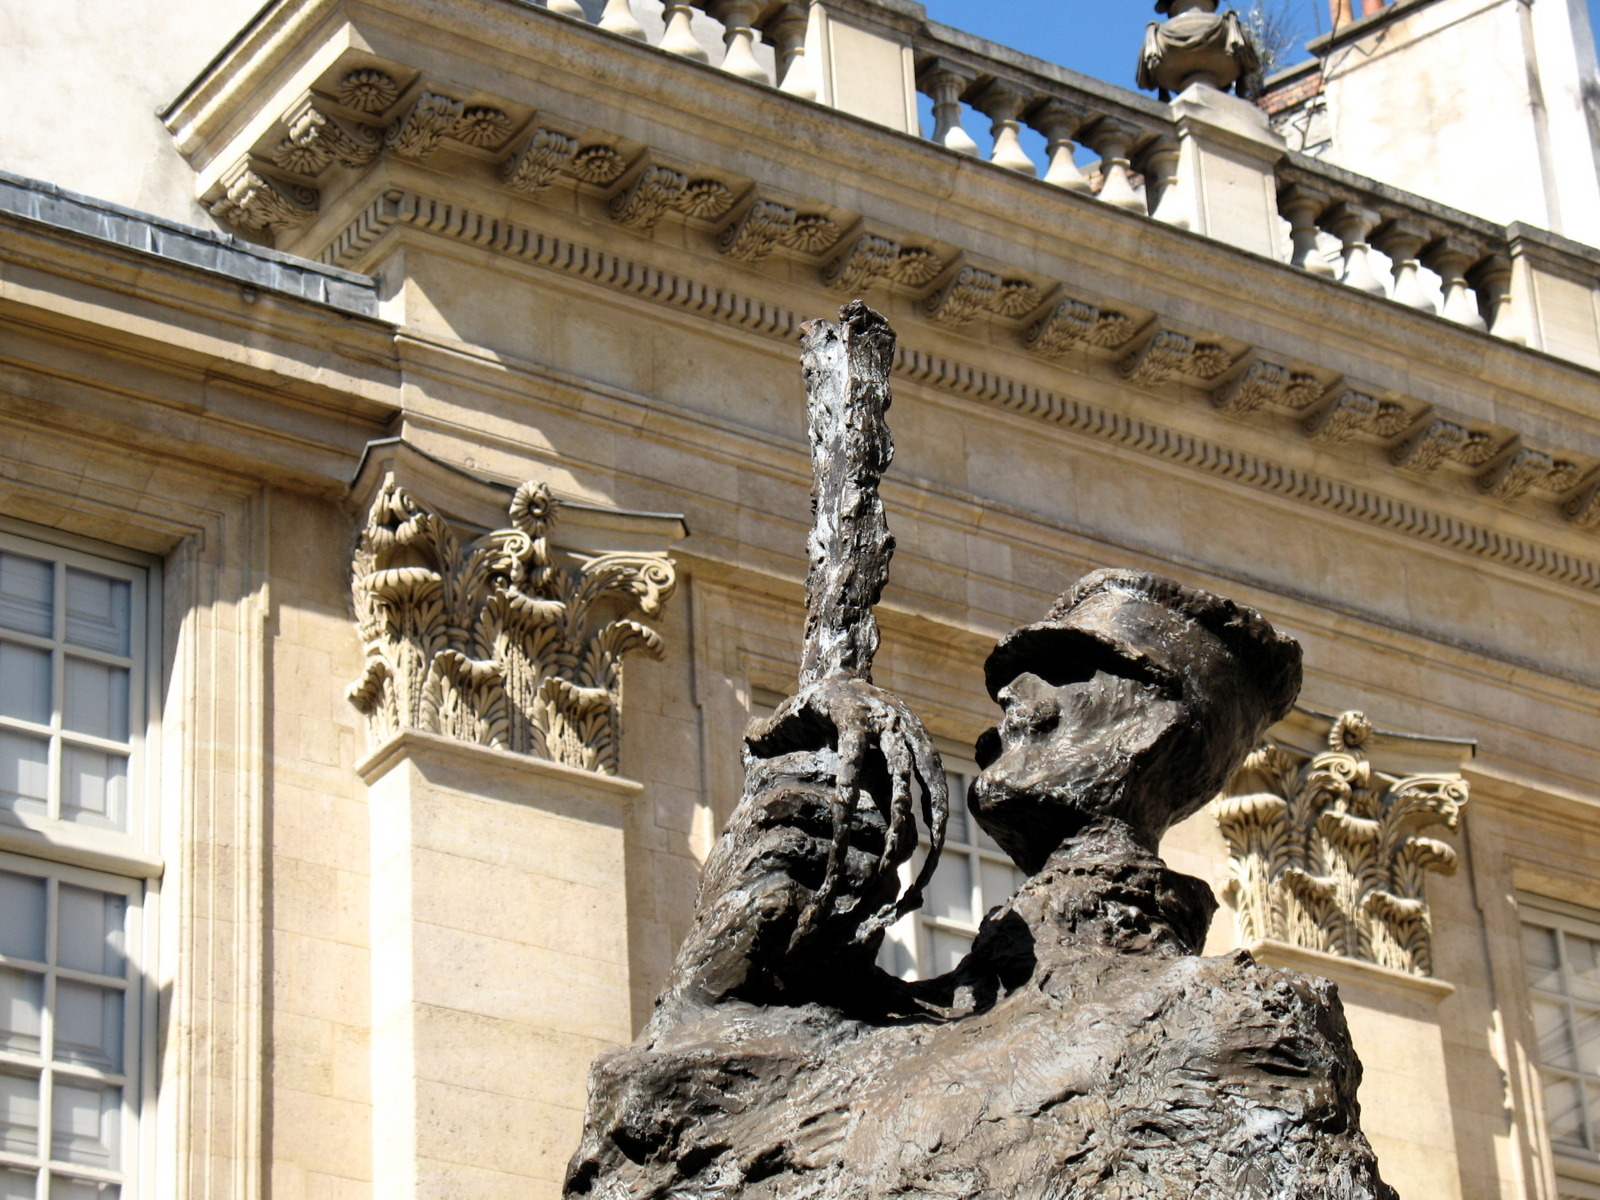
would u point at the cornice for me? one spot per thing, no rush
(398, 209)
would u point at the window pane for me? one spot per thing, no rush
(999, 881)
(96, 700)
(1563, 1111)
(957, 830)
(1555, 1035)
(1544, 964)
(17, 1185)
(946, 950)
(89, 1025)
(98, 612)
(91, 931)
(19, 1112)
(1583, 966)
(94, 787)
(27, 595)
(81, 1189)
(86, 1123)
(21, 1001)
(24, 774)
(25, 683)
(22, 916)
(950, 891)
(1586, 1036)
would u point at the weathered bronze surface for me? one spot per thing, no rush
(1082, 1049)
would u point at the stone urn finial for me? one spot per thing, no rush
(1196, 45)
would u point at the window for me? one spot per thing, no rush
(1561, 945)
(69, 1021)
(74, 644)
(973, 876)
(71, 686)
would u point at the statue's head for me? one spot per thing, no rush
(1133, 701)
(1176, 8)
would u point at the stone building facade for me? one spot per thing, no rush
(402, 501)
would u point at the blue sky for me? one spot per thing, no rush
(1098, 37)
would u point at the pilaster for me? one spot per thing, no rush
(499, 962)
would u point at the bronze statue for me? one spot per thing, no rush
(1082, 1049)
(1196, 45)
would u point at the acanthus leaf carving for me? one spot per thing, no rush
(1436, 441)
(317, 139)
(495, 642)
(767, 224)
(872, 259)
(1583, 510)
(752, 237)
(1356, 412)
(538, 161)
(1161, 357)
(1073, 323)
(1258, 383)
(970, 291)
(1524, 470)
(659, 188)
(254, 202)
(431, 117)
(862, 265)
(1327, 853)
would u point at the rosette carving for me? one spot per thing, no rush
(1327, 853)
(495, 641)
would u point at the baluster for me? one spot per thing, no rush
(945, 82)
(567, 8)
(1301, 206)
(1492, 278)
(1351, 224)
(1060, 122)
(1449, 258)
(618, 18)
(1401, 240)
(1161, 191)
(1111, 140)
(679, 36)
(787, 32)
(1003, 104)
(739, 36)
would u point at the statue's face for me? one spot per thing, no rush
(1116, 712)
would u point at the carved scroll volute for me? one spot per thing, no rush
(1327, 854)
(496, 642)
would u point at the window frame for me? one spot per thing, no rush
(132, 851)
(117, 861)
(137, 991)
(1577, 1171)
(908, 949)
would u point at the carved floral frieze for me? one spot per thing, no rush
(1328, 853)
(495, 641)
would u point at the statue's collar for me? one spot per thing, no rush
(1103, 890)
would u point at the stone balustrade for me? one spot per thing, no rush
(1386, 242)
(1130, 139)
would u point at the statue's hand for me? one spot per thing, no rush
(809, 864)
(866, 753)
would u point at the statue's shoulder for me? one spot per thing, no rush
(1268, 1020)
